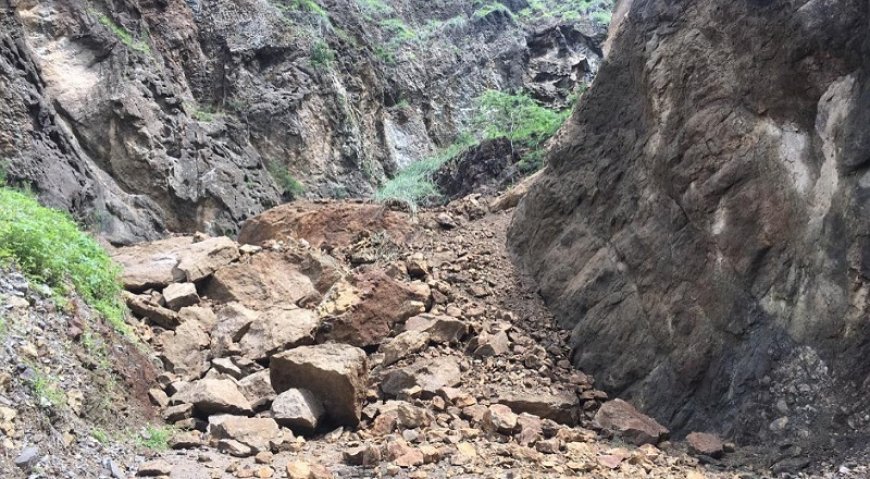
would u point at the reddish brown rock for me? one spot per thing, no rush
(260, 281)
(335, 224)
(706, 444)
(380, 302)
(623, 420)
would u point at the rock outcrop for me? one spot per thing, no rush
(142, 117)
(703, 229)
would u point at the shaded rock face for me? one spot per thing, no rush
(141, 117)
(703, 229)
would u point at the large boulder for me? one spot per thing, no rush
(337, 374)
(375, 305)
(277, 329)
(429, 375)
(159, 263)
(183, 350)
(622, 419)
(298, 409)
(261, 280)
(563, 408)
(703, 228)
(213, 396)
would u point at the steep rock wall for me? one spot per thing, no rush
(152, 115)
(703, 230)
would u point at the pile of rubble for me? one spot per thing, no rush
(393, 348)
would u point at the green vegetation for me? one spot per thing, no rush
(414, 184)
(49, 247)
(492, 7)
(46, 389)
(4, 172)
(375, 7)
(123, 35)
(570, 10)
(155, 438)
(517, 117)
(308, 6)
(100, 435)
(321, 55)
(204, 116)
(286, 181)
(399, 30)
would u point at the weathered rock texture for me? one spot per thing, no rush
(704, 228)
(145, 116)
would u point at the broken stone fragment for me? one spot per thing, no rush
(337, 374)
(429, 375)
(562, 408)
(257, 388)
(623, 420)
(705, 444)
(277, 329)
(441, 329)
(255, 433)
(180, 295)
(298, 409)
(405, 344)
(154, 469)
(490, 344)
(499, 418)
(141, 306)
(213, 396)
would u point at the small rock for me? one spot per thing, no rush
(185, 440)
(702, 443)
(158, 397)
(154, 469)
(441, 329)
(213, 396)
(180, 295)
(178, 412)
(256, 434)
(298, 470)
(28, 458)
(500, 418)
(263, 457)
(298, 409)
(403, 345)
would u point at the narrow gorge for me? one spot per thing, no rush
(316, 239)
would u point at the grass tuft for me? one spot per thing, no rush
(155, 438)
(123, 35)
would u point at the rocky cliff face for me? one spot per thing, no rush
(161, 115)
(704, 229)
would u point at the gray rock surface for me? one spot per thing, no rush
(170, 115)
(703, 229)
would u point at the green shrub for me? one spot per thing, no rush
(413, 184)
(321, 55)
(287, 182)
(376, 7)
(204, 116)
(492, 7)
(309, 6)
(46, 389)
(518, 118)
(155, 438)
(123, 35)
(603, 17)
(49, 247)
(399, 30)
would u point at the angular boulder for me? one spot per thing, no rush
(260, 281)
(429, 375)
(182, 350)
(441, 328)
(277, 329)
(160, 263)
(337, 374)
(257, 388)
(254, 432)
(380, 302)
(403, 345)
(180, 295)
(213, 396)
(563, 408)
(705, 444)
(623, 420)
(298, 409)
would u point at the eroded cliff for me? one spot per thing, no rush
(148, 116)
(704, 228)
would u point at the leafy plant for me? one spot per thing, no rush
(100, 436)
(321, 55)
(204, 116)
(400, 31)
(414, 183)
(50, 248)
(123, 35)
(603, 17)
(46, 389)
(309, 6)
(286, 181)
(154, 438)
(490, 8)
(517, 117)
